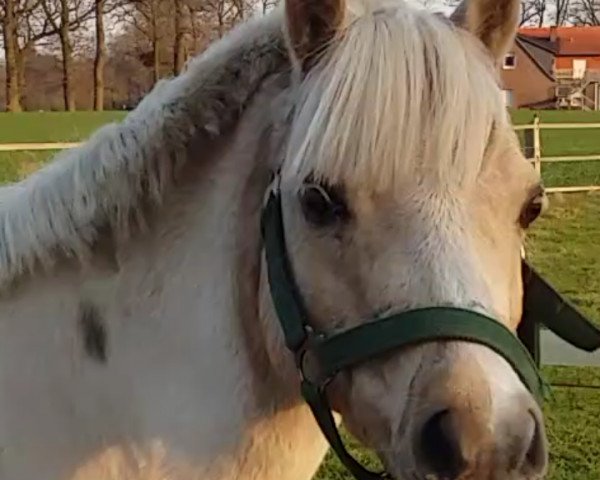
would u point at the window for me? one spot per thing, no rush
(510, 61)
(579, 67)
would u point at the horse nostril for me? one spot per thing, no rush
(439, 446)
(536, 457)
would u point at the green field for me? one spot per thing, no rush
(64, 127)
(563, 245)
(39, 127)
(52, 126)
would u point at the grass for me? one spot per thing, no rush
(76, 126)
(52, 126)
(563, 245)
(523, 116)
(40, 127)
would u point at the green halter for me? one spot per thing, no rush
(320, 356)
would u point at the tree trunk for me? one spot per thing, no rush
(179, 47)
(155, 60)
(67, 57)
(21, 65)
(221, 21)
(9, 32)
(155, 44)
(542, 13)
(100, 59)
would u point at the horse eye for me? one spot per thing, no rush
(322, 206)
(532, 210)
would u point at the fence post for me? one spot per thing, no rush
(537, 147)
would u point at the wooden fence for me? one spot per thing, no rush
(532, 146)
(533, 149)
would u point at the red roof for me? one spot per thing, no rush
(572, 41)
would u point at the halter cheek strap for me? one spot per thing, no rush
(319, 357)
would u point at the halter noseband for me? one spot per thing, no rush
(320, 356)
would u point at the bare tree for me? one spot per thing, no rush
(451, 3)
(149, 18)
(428, 4)
(66, 16)
(101, 9)
(562, 12)
(51, 37)
(9, 35)
(533, 12)
(586, 12)
(222, 14)
(267, 5)
(20, 30)
(100, 56)
(180, 47)
(32, 29)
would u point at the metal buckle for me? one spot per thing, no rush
(307, 362)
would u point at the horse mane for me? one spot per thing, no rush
(402, 94)
(61, 208)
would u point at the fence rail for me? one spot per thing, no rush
(28, 147)
(556, 126)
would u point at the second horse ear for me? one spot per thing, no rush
(493, 22)
(311, 25)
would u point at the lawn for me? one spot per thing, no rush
(52, 126)
(65, 127)
(40, 127)
(563, 245)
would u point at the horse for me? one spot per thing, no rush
(139, 338)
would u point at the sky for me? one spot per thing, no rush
(434, 5)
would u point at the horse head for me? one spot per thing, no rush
(401, 186)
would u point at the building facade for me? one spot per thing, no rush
(553, 68)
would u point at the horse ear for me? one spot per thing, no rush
(311, 25)
(494, 22)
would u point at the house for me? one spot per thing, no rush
(553, 67)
